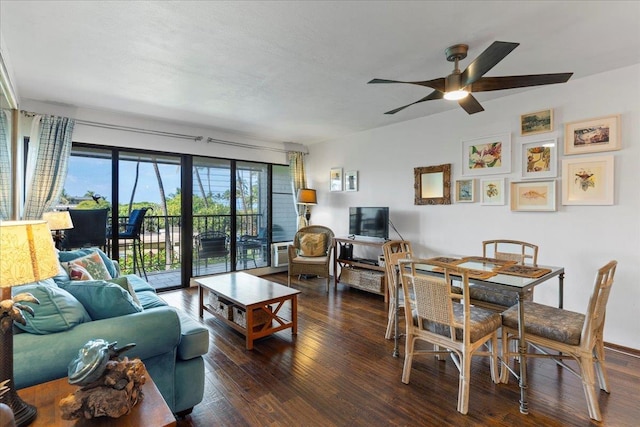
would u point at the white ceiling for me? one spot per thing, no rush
(297, 70)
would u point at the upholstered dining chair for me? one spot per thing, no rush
(394, 251)
(311, 252)
(522, 253)
(448, 321)
(574, 335)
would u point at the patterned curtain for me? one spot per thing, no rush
(47, 162)
(298, 181)
(5, 164)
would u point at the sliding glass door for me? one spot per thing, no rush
(202, 215)
(211, 212)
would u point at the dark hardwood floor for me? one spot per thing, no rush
(339, 371)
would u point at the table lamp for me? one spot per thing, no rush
(58, 221)
(307, 197)
(26, 255)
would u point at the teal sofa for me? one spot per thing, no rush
(169, 342)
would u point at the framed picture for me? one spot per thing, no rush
(533, 196)
(587, 181)
(592, 136)
(465, 191)
(492, 191)
(536, 122)
(487, 156)
(539, 159)
(351, 181)
(335, 179)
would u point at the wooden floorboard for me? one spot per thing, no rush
(339, 371)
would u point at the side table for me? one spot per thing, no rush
(152, 410)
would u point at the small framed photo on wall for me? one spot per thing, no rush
(465, 191)
(351, 181)
(536, 122)
(335, 179)
(592, 136)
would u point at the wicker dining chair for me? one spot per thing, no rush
(394, 251)
(311, 252)
(575, 335)
(522, 253)
(448, 321)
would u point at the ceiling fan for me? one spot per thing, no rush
(459, 85)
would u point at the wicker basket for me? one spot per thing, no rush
(368, 280)
(260, 317)
(220, 306)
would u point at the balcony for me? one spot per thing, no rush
(162, 252)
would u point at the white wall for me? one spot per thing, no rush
(121, 138)
(579, 238)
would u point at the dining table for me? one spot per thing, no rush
(498, 275)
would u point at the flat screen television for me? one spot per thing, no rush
(369, 222)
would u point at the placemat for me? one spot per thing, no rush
(525, 271)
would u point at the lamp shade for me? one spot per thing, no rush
(26, 253)
(58, 220)
(307, 196)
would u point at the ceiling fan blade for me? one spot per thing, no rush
(433, 95)
(437, 84)
(470, 104)
(511, 82)
(486, 61)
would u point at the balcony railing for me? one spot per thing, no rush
(161, 238)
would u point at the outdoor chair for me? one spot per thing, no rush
(89, 229)
(394, 251)
(132, 230)
(311, 252)
(575, 335)
(433, 313)
(211, 245)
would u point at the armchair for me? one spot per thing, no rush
(311, 252)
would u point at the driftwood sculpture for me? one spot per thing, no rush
(109, 387)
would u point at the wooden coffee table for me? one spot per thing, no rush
(249, 304)
(151, 411)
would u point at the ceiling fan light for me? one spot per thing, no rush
(455, 95)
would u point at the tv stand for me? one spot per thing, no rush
(361, 273)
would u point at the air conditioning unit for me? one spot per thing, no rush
(279, 256)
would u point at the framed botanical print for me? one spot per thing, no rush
(539, 159)
(489, 155)
(492, 191)
(465, 191)
(335, 179)
(592, 136)
(588, 181)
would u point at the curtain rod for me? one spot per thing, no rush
(170, 134)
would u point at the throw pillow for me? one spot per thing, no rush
(66, 256)
(124, 284)
(93, 264)
(58, 309)
(313, 244)
(77, 272)
(102, 299)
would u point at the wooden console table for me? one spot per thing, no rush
(252, 298)
(151, 411)
(357, 264)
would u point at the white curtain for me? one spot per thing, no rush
(5, 164)
(298, 181)
(47, 163)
